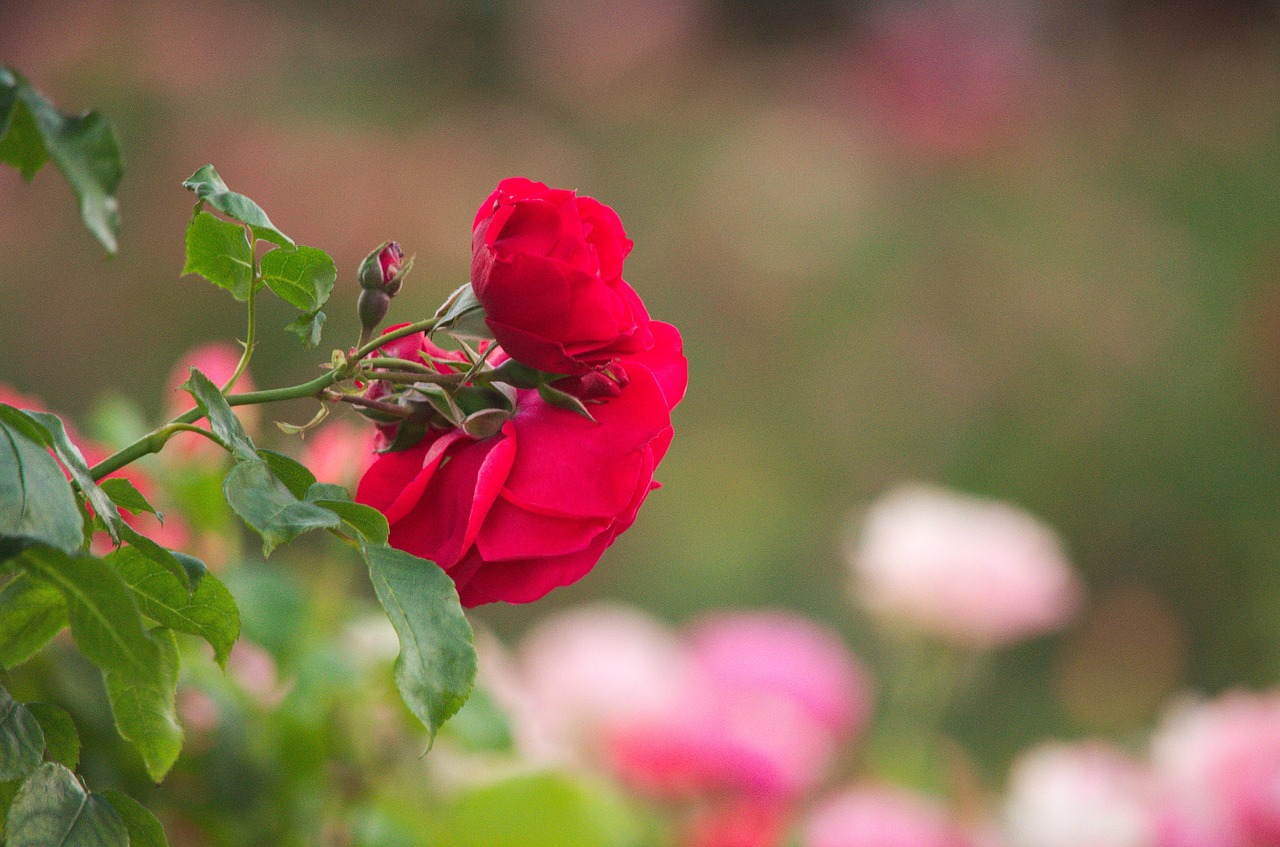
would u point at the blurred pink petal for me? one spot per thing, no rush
(340, 451)
(975, 572)
(881, 817)
(1218, 767)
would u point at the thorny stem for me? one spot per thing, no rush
(153, 441)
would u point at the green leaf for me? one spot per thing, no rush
(188, 569)
(123, 493)
(210, 188)
(20, 142)
(51, 809)
(36, 501)
(104, 620)
(295, 475)
(222, 420)
(60, 735)
(366, 520)
(303, 278)
(21, 739)
(219, 251)
(436, 668)
(463, 314)
(268, 506)
(143, 706)
(32, 612)
(73, 460)
(144, 829)
(308, 328)
(83, 147)
(563, 400)
(209, 611)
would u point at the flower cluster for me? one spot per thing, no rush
(522, 460)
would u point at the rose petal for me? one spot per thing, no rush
(526, 580)
(569, 465)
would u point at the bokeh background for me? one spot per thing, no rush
(1027, 250)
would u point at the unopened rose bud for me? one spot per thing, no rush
(372, 306)
(384, 269)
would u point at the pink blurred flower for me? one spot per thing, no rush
(340, 451)
(948, 81)
(768, 700)
(1079, 795)
(739, 822)
(881, 817)
(216, 360)
(777, 654)
(256, 673)
(1218, 768)
(592, 669)
(975, 572)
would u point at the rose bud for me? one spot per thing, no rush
(382, 269)
(381, 274)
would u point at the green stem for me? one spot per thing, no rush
(254, 282)
(153, 441)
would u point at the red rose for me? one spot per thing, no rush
(512, 516)
(546, 265)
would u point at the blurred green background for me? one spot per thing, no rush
(1024, 249)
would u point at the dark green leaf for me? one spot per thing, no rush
(436, 667)
(210, 188)
(143, 706)
(51, 809)
(20, 142)
(123, 493)
(104, 620)
(83, 147)
(60, 735)
(32, 612)
(21, 740)
(73, 460)
(366, 520)
(295, 475)
(219, 251)
(209, 611)
(308, 328)
(222, 420)
(303, 278)
(267, 505)
(36, 501)
(144, 829)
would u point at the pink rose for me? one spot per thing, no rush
(767, 700)
(546, 265)
(533, 507)
(1218, 768)
(882, 817)
(976, 573)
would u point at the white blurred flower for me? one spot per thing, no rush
(975, 572)
(1079, 795)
